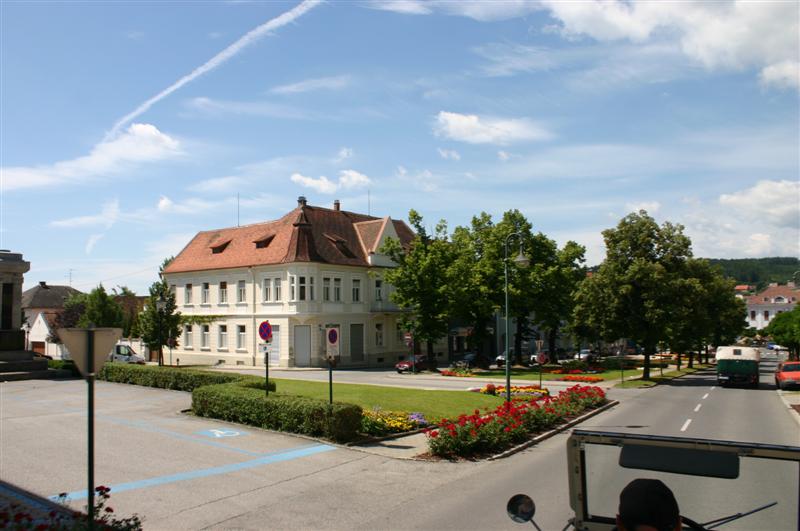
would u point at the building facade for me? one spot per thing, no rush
(764, 306)
(314, 268)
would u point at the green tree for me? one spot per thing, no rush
(101, 310)
(785, 330)
(129, 302)
(74, 307)
(420, 282)
(159, 327)
(632, 294)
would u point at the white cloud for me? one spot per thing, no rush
(190, 206)
(246, 40)
(348, 179)
(165, 204)
(213, 107)
(503, 155)
(785, 74)
(92, 241)
(141, 143)
(353, 179)
(343, 154)
(422, 180)
(487, 130)
(652, 207)
(777, 202)
(106, 218)
(449, 154)
(406, 7)
(308, 85)
(481, 10)
(227, 184)
(322, 184)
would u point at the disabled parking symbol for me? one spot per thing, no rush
(220, 434)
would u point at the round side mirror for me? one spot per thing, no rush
(521, 508)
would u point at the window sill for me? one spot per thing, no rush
(205, 305)
(241, 350)
(188, 305)
(205, 349)
(222, 304)
(222, 349)
(188, 348)
(242, 303)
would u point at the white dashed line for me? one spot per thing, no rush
(713, 387)
(705, 396)
(686, 424)
(697, 408)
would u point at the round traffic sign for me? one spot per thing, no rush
(333, 336)
(265, 331)
(541, 358)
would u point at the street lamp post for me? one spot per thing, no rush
(521, 261)
(161, 305)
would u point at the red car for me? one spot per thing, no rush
(787, 374)
(420, 363)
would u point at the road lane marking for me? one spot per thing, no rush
(295, 453)
(705, 396)
(697, 408)
(686, 424)
(713, 387)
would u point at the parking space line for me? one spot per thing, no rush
(278, 457)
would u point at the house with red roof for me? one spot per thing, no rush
(764, 306)
(313, 269)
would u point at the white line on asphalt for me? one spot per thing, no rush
(713, 387)
(696, 409)
(686, 424)
(705, 396)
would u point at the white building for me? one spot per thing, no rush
(312, 269)
(763, 307)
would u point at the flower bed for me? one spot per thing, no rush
(510, 423)
(517, 391)
(456, 372)
(576, 378)
(377, 422)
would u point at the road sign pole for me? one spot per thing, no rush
(330, 382)
(90, 417)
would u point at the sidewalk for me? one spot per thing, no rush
(792, 401)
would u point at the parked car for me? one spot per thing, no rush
(586, 355)
(125, 354)
(417, 363)
(787, 375)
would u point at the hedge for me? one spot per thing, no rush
(66, 365)
(170, 377)
(244, 403)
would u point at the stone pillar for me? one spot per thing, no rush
(12, 267)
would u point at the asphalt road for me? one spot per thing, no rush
(181, 472)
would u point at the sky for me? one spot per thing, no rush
(128, 127)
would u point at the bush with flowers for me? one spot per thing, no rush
(517, 391)
(510, 423)
(377, 422)
(457, 371)
(586, 379)
(18, 517)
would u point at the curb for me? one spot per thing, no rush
(795, 415)
(557, 430)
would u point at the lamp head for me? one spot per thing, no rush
(521, 260)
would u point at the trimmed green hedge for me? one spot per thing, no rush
(66, 365)
(170, 377)
(245, 403)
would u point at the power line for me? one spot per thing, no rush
(117, 277)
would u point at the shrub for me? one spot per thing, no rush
(509, 423)
(66, 365)
(573, 365)
(378, 422)
(615, 364)
(172, 378)
(245, 404)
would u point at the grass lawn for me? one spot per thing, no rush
(433, 404)
(656, 377)
(527, 374)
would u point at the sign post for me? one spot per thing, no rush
(265, 332)
(89, 349)
(409, 339)
(332, 355)
(541, 359)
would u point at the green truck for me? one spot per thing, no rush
(738, 365)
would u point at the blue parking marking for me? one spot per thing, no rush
(221, 433)
(267, 459)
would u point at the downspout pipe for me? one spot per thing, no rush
(255, 344)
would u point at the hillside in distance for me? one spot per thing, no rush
(759, 271)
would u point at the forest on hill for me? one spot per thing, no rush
(759, 271)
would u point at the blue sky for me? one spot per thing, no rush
(128, 127)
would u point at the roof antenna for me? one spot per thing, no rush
(237, 209)
(369, 204)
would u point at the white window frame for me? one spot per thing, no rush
(378, 290)
(241, 337)
(222, 337)
(188, 339)
(205, 332)
(292, 288)
(326, 289)
(187, 293)
(205, 294)
(356, 289)
(223, 292)
(378, 334)
(241, 291)
(276, 289)
(337, 289)
(302, 292)
(266, 289)
(311, 288)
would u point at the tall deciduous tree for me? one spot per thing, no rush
(159, 327)
(420, 282)
(129, 303)
(632, 294)
(785, 330)
(101, 310)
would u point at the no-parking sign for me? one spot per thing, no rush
(265, 331)
(332, 342)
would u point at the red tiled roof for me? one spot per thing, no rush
(742, 287)
(306, 234)
(772, 292)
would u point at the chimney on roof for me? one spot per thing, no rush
(42, 283)
(336, 205)
(301, 201)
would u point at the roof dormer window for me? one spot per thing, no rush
(220, 247)
(264, 242)
(340, 244)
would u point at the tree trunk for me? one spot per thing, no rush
(679, 361)
(649, 350)
(691, 359)
(551, 344)
(160, 355)
(431, 355)
(518, 342)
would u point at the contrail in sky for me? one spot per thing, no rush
(248, 39)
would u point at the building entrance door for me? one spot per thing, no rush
(356, 342)
(302, 346)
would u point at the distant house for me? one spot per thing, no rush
(743, 289)
(40, 305)
(312, 269)
(764, 306)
